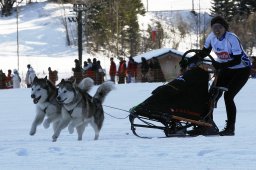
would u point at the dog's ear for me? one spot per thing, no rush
(35, 79)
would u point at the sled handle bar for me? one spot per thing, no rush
(197, 51)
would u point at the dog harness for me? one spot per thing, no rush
(74, 103)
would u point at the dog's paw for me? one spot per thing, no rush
(96, 137)
(71, 129)
(54, 138)
(46, 124)
(32, 132)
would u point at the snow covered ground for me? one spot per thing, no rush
(117, 148)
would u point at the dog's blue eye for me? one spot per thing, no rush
(38, 89)
(65, 91)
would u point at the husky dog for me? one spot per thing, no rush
(44, 93)
(79, 108)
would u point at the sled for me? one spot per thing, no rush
(189, 103)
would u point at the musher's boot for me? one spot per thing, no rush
(209, 131)
(229, 130)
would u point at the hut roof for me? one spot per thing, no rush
(157, 53)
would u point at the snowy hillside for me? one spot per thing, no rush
(183, 29)
(184, 24)
(41, 39)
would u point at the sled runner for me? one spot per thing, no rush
(184, 106)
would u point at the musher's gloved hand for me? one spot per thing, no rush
(217, 65)
(186, 61)
(194, 59)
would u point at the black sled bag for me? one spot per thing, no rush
(186, 96)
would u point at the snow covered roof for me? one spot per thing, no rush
(156, 53)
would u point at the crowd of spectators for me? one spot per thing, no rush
(123, 72)
(11, 80)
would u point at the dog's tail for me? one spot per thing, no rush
(86, 84)
(103, 90)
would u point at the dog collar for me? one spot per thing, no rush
(74, 105)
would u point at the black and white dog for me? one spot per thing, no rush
(79, 108)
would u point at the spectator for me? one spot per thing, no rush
(88, 69)
(131, 70)
(121, 71)
(89, 62)
(253, 69)
(53, 75)
(144, 70)
(30, 76)
(78, 76)
(16, 79)
(27, 75)
(8, 80)
(112, 69)
(99, 73)
(2, 79)
(94, 65)
(94, 69)
(156, 70)
(87, 65)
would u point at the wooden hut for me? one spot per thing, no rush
(169, 61)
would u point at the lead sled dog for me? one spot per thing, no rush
(44, 94)
(79, 108)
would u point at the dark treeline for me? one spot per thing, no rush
(113, 25)
(6, 7)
